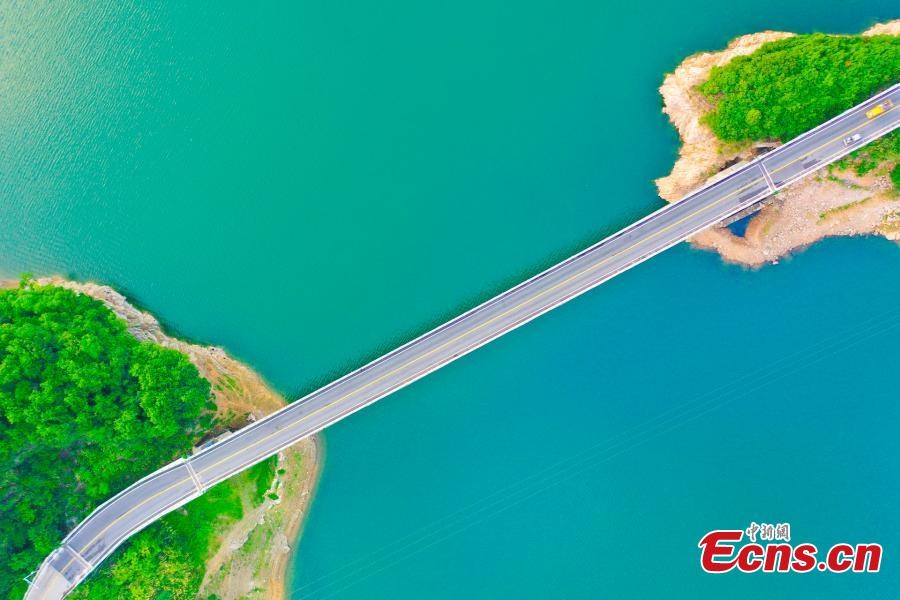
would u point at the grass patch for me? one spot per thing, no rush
(843, 208)
(230, 383)
(868, 158)
(261, 475)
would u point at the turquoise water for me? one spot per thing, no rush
(307, 184)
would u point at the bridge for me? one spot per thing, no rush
(185, 479)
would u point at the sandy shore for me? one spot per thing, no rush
(254, 553)
(814, 208)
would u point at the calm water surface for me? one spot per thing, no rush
(310, 183)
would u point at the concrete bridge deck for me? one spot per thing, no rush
(176, 484)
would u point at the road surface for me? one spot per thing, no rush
(176, 484)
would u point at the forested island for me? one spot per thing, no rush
(765, 89)
(87, 408)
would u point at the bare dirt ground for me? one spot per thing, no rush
(809, 210)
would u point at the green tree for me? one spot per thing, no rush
(791, 85)
(85, 410)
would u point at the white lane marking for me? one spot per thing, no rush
(85, 562)
(193, 475)
(767, 177)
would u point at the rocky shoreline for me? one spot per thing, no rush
(822, 205)
(254, 552)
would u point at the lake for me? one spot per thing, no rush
(309, 184)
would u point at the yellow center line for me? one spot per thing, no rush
(466, 334)
(817, 148)
(525, 302)
(417, 359)
(473, 330)
(119, 518)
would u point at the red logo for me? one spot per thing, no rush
(722, 551)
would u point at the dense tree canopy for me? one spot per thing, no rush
(85, 409)
(791, 85)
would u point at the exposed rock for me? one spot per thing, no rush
(889, 28)
(700, 155)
